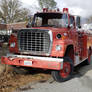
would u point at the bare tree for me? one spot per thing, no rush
(12, 11)
(47, 4)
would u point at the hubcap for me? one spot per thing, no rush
(66, 70)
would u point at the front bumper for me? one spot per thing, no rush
(33, 61)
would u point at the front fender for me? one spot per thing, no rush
(64, 44)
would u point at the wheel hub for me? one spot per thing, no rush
(66, 70)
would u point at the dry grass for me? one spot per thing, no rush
(10, 81)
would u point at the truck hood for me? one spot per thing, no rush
(61, 30)
(55, 32)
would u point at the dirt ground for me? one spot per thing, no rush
(10, 81)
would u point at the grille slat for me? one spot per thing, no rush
(34, 41)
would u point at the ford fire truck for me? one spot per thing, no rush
(54, 41)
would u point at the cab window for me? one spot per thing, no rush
(72, 20)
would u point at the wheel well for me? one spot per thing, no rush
(90, 50)
(70, 52)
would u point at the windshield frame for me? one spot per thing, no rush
(47, 17)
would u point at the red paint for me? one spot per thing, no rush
(35, 63)
(66, 70)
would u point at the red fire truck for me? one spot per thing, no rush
(54, 41)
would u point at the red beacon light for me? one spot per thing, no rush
(50, 10)
(45, 9)
(65, 10)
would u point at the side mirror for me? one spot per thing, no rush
(70, 26)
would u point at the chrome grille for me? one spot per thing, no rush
(34, 41)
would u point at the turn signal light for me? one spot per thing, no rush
(65, 10)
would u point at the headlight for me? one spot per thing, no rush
(12, 45)
(58, 36)
(58, 47)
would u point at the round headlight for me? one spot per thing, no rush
(12, 45)
(59, 36)
(58, 47)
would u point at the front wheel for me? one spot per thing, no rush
(66, 73)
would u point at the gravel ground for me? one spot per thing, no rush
(81, 82)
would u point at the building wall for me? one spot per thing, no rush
(16, 25)
(13, 26)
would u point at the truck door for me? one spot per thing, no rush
(82, 44)
(73, 33)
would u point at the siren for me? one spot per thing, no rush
(45, 9)
(65, 10)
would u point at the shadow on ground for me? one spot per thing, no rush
(82, 69)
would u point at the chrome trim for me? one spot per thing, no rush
(49, 32)
(36, 57)
(51, 41)
(80, 61)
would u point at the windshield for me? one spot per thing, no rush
(50, 20)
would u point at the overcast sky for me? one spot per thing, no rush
(77, 7)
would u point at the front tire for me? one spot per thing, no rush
(66, 73)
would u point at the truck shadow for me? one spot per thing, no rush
(34, 71)
(79, 71)
(82, 69)
(83, 74)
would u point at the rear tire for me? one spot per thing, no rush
(88, 61)
(66, 73)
